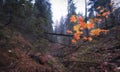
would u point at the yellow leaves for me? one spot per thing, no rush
(76, 37)
(76, 27)
(90, 39)
(83, 25)
(79, 32)
(73, 18)
(105, 14)
(87, 38)
(74, 41)
(104, 31)
(89, 26)
(95, 32)
(69, 31)
(79, 28)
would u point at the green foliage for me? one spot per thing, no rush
(44, 16)
(32, 20)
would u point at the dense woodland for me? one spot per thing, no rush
(79, 43)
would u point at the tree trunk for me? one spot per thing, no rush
(86, 30)
(59, 34)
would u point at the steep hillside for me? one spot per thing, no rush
(17, 54)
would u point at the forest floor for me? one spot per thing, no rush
(100, 55)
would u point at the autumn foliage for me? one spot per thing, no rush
(81, 26)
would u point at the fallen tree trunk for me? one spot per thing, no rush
(59, 34)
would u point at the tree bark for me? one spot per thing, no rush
(87, 31)
(59, 34)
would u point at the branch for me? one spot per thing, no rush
(59, 34)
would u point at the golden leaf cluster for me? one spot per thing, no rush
(103, 11)
(81, 25)
(96, 32)
(78, 28)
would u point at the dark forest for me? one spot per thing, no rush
(80, 43)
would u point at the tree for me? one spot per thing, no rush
(117, 16)
(12, 9)
(85, 11)
(71, 11)
(44, 15)
(62, 30)
(87, 30)
(102, 8)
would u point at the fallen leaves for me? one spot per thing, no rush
(76, 37)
